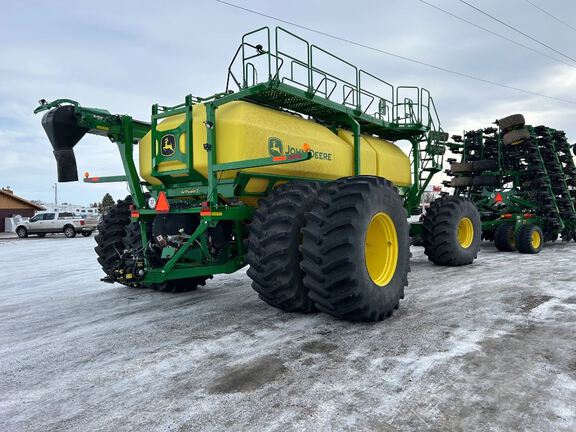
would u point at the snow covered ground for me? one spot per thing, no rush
(487, 347)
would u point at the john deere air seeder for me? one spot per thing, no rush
(523, 180)
(292, 170)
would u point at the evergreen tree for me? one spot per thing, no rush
(106, 204)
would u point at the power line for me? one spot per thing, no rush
(516, 30)
(550, 15)
(496, 34)
(429, 65)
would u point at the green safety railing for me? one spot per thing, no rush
(274, 58)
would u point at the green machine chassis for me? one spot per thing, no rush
(293, 83)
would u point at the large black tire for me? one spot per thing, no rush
(350, 274)
(517, 136)
(511, 122)
(133, 240)
(529, 239)
(111, 232)
(452, 231)
(504, 237)
(273, 247)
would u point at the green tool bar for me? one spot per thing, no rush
(220, 213)
(157, 276)
(268, 161)
(225, 188)
(106, 179)
(99, 121)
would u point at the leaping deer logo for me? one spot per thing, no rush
(275, 146)
(168, 142)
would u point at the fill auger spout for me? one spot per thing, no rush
(64, 133)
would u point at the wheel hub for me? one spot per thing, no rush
(381, 249)
(536, 239)
(465, 232)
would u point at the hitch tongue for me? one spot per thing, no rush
(64, 133)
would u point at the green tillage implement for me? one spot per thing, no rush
(517, 175)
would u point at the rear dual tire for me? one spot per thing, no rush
(111, 232)
(273, 247)
(504, 238)
(342, 249)
(528, 239)
(356, 249)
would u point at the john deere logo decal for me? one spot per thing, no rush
(168, 145)
(275, 146)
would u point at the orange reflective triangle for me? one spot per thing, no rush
(162, 204)
(498, 197)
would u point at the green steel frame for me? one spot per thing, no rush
(404, 113)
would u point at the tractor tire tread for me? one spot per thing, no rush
(273, 247)
(331, 262)
(439, 231)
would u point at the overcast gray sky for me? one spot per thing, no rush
(126, 55)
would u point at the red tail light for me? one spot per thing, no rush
(134, 213)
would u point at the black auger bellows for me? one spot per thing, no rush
(64, 133)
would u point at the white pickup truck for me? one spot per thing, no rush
(45, 222)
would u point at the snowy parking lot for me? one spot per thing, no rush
(486, 347)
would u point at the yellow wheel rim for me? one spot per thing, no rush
(536, 239)
(465, 232)
(381, 249)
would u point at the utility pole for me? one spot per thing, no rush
(55, 193)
